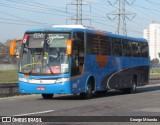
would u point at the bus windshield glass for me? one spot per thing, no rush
(44, 53)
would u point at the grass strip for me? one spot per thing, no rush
(9, 76)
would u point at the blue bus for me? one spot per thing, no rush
(72, 59)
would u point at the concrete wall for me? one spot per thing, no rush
(8, 89)
(8, 67)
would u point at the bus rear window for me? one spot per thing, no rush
(144, 50)
(136, 49)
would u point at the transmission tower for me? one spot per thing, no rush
(121, 15)
(78, 17)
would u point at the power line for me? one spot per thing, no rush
(78, 17)
(112, 26)
(146, 15)
(2, 12)
(19, 23)
(156, 4)
(94, 15)
(15, 21)
(36, 4)
(31, 9)
(121, 15)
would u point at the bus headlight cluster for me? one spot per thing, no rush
(38, 81)
(62, 80)
(22, 79)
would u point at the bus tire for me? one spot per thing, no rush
(47, 96)
(89, 90)
(133, 87)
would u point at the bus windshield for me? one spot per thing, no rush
(44, 53)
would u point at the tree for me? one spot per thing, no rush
(154, 62)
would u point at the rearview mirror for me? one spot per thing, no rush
(13, 47)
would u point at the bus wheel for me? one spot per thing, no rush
(47, 96)
(132, 89)
(88, 93)
(134, 84)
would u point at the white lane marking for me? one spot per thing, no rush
(33, 113)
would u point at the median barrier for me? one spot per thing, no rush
(8, 89)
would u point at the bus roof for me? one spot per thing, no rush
(64, 28)
(69, 26)
(81, 28)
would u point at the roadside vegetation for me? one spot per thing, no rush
(9, 76)
(155, 73)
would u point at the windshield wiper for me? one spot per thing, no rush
(50, 69)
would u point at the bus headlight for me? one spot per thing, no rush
(22, 79)
(62, 80)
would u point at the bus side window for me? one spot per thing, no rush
(144, 50)
(127, 49)
(105, 47)
(116, 47)
(136, 49)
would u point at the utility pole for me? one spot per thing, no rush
(78, 17)
(121, 26)
(122, 15)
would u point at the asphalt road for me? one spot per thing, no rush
(146, 102)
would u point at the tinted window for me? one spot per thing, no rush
(92, 44)
(127, 49)
(136, 49)
(105, 47)
(144, 49)
(97, 44)
(117, 47)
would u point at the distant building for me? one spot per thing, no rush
(153, 36)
